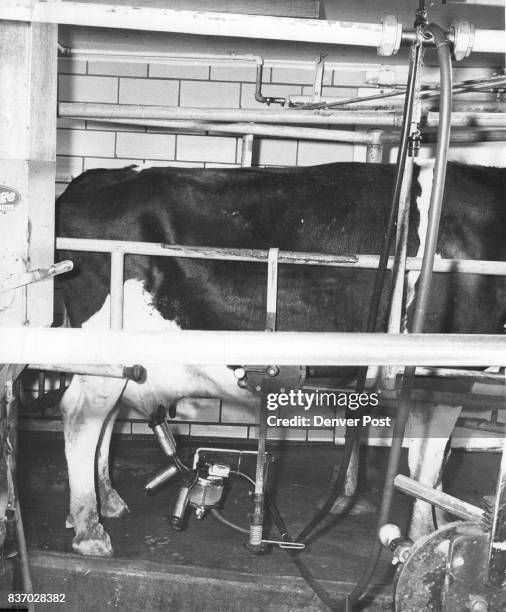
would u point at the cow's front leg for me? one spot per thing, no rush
(85, 405)
(111, 503)
(432, 427)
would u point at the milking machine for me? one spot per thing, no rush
(461, 566)
(205, 482)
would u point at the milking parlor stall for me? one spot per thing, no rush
(298, 371)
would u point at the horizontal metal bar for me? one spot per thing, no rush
(465, 266)
(39, 345)
(493, 120)
(132, 56)
(451, 504)
(110, 371)
(489, 41)
(453, 373)
(276, 131)
(194, 22)
(299, 133)
(174, 250)
(227, 24)
(35, 276)
(370, 117)
(481, 425)
(474, 106)
(97, 110)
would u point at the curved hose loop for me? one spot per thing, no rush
(444, 58)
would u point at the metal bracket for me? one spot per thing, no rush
(286, 545)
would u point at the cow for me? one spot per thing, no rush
(338, 208)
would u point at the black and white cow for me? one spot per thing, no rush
(336, 208)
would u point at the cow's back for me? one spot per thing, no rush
(335, 208)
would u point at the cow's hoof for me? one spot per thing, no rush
(113, 505)
(95, 542)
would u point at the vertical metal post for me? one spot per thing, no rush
(257, 517)
(374, 150)
(41, 385)
(399, 268)
(116, 288)
(247, 150)
(272, 290)
(318, 80)
(27, 165)
(497, 550)
(388, 373)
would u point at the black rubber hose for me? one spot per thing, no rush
(436, 201)
(337, 486)
(379, 280)
(444, 58)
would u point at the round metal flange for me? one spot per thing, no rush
(463, 39)
(420, 581)
(391, 36)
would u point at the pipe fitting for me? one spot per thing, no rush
(391, 36)
(463, 39)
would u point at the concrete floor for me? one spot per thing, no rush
(176, 571)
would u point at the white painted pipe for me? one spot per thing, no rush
(385, 36)
(133, 56)
(468, 106)
(96, 110)
(451, 504)
(247, 150)
(489, 41)
(116, 288)
(374, 151)
(465, 266)
(40, 345)
(254, 129)
(371, 117)
(195, 22)
(35, 276)
(493, 120)
(109, 370)
(95, 54)
(300, 133)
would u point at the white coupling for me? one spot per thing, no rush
(463, 39)
(391, 36)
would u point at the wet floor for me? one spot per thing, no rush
(300, 477)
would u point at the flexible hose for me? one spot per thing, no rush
(304, 571)
(436, 200)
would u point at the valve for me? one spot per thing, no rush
(390, 536)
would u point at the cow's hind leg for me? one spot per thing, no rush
(432, 427)
(111, 504)
(85, 406)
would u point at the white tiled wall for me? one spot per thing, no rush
(82, 145)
